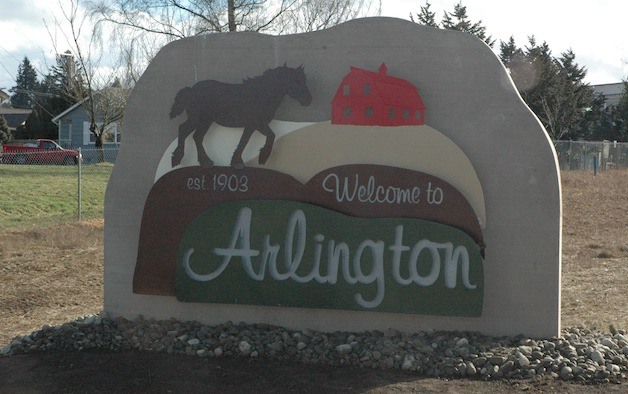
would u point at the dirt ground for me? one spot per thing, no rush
(53, 275)
(144, 372)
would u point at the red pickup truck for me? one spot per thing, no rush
(40, 151)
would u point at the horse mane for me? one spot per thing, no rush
(271, 73)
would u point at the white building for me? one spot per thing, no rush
(611, 91)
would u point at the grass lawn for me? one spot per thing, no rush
(36, 195)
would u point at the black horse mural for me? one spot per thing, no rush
(251, 105)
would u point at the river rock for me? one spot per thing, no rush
(580, 355)
(597, 356)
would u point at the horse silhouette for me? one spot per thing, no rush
(251, 104)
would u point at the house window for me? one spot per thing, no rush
(391, 113)
(368, 112)
(111, 135)
(345, 90)
(367, 89)
(406, 113)
(88, 137)
(417, 115)
(347, 112)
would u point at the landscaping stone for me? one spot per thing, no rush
(580, 355)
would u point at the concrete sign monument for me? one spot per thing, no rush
(376, 174)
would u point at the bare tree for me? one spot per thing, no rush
(137, 29)
(90, 79)
(312, 15)
(175, 19)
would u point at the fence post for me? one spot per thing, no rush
(80, 159)
(594, 164)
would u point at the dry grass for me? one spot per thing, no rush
(595, 249)
(51, 275)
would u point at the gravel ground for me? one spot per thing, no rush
(578, 355)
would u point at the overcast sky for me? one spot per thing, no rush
(595, 30)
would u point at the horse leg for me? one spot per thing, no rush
(203, 159)
(185, 129)
(264, 153)
(236, 159)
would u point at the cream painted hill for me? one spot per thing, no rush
(309, 150)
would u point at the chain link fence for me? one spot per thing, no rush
(593, 156)
(45, 187)
(572, 155)
(62, 185)
(68, 157)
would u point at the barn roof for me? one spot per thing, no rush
(392, 90)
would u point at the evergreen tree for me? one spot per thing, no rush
(596, 123)
(459, 20)
(50, 99)
(26, 85)
(518, 65)
(23, 132)
(619, 116)
(39, 124)
(553, 88)
(508, 51)
(456, 20)
(426, 17)
(5, 134)
(575, 97)
(537, 80)
(66, 81)
(55, 87)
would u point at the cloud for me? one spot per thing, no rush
(27, 27)
(22, 24)
(24, 34)
(25, 13)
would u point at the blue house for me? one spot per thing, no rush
(73, 125)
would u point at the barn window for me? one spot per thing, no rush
(367, 89)
(347, 112)
(368, 112)
(391, 113)
(417, 115)
(406, 113)
(345, 90)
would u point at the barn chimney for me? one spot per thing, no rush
(383, 69)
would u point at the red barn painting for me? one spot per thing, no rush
(368, 98)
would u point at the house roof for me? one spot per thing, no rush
(3, 95)
(67, 111)
(392, 90)
(15, 116)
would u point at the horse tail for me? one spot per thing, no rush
(180, 102)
